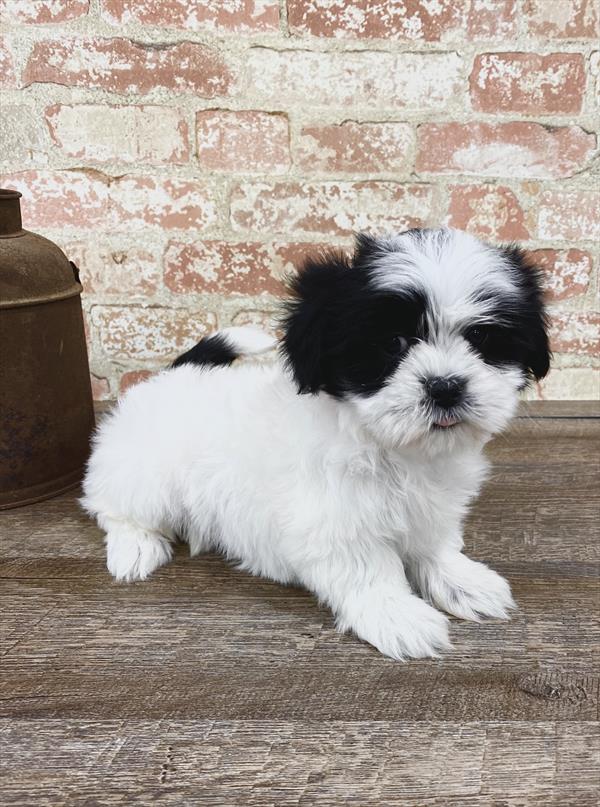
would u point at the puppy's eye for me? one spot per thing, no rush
(399, 343)
(477, 336)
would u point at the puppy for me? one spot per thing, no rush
(346, 467)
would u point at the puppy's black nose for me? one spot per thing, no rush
(446, 392)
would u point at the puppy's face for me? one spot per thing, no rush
(429, 335)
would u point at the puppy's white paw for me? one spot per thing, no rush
(465, 588)
(133, 553)
(401, 626)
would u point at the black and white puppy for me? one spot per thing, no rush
(346, 467)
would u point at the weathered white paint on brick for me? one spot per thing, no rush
(115, 268)
(243, 142)
(418, 20)
(127, 134)
(517, 149)
(23, 137)
(355, 79)
(137, 202)
(567, 215)
(242, 16)
(567, 272)
(123, 66)
(55, 199)
(563, 19)
(356, 147)
(137, 332)
(42, 11)
(330, 208)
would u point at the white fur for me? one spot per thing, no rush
(248, 340)
(360, 500)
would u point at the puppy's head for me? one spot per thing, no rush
(429, 335)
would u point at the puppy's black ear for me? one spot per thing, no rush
(323, 289)
(532, 318)
(366, 247)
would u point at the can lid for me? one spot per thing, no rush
(33, 269)
(10, 213)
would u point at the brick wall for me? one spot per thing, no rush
(185, 154)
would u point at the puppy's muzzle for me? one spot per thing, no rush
(445, 394)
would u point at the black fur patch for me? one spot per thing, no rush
(341, 334)
(519, 333)
(212, 351)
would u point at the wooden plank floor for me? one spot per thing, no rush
(203, 686)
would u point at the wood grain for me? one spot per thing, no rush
(301, 763)
(261, 702)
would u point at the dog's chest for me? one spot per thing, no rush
(422, 496)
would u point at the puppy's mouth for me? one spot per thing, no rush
(446, 421)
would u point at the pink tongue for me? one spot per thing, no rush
(445, 422)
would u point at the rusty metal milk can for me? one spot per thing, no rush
(46, 413)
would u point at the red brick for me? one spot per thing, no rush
(174, 204)
(517, 149)
(100, 388)
(290, 256)
(60, 198)
(333, 208)
(123, 66)
(411, 20)
(352, 147)
(244, 16)
(569, 215)
(42, 11)
(7, 65)
(133, 377)
(100, 133)
(233, 268)
(488, 211)
(133, 332)
(243, 141)
(112, 270)
(355, 78)
(530, 83)
(562, 19)
(576, 332)
(492, 19)
(218, 266)
(88, 200)
(265, 320)
(567, 272)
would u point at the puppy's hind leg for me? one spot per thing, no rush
(134, 552)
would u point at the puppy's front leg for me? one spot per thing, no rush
(370, 595)
(460, 586)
